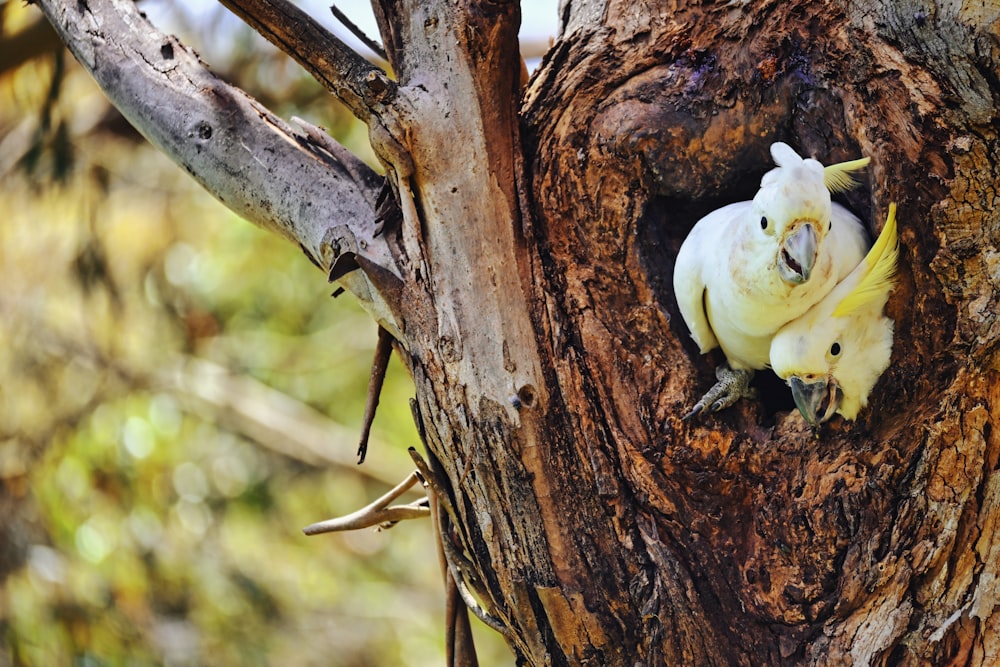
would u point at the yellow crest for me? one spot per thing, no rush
(839, 177)
(879, 269)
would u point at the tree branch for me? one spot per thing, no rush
(383, 350)
(346, 21)
(239, 151)
(355, 81)
(269, 417)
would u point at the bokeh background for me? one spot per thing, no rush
(180, 395)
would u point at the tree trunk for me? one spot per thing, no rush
(741, 539)
(528, 287)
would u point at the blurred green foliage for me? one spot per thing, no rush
(145, 522)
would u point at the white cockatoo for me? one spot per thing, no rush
(748, 268)
(832, 356)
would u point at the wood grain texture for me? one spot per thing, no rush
(244, 155)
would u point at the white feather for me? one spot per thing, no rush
(726, 279)
(802, 348)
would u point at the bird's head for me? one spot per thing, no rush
(833, 355)
(807, 354)
(793, 208)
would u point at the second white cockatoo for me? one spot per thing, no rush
(748, 268)
(832, 355)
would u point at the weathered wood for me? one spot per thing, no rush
(471, 341)
(359, 84)
(316, 195)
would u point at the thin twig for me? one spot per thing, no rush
(383, 350)
(454, 557)
(398, 513)
(369, 516)
(432, 482)
(460, 647)
(260, 413)
(358, 32)
(376, 513)
(453, 607)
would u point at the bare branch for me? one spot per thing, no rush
(241, 404)
(375, 47)
(431, 481)
(370, 516)
(359, 171)
(389, 31)
(355, 81)
(264, 415)
(240, 152)
(243, 154)
(457, 568)
(376, 513)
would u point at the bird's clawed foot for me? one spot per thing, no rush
(732, 385)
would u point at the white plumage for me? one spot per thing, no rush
(833, 355)
(748, 268)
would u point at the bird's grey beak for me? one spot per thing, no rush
(817, 401)
(798, 255)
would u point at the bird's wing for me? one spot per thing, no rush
(703, 249)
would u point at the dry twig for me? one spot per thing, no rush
(357, 83)
(345, 20)
(457, 566)
(378, 513)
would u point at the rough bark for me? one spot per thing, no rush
(531, 297)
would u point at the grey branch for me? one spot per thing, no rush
(244, 155)
(265, 415)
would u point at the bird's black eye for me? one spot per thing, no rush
(763, 223)
(835, 350)
(830, 226)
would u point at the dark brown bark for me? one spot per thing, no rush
(742, 539)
